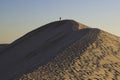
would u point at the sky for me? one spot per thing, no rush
(18, 17)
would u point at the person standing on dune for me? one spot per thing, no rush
(60, 18)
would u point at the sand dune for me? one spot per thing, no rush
(62, 50)
(38, 47)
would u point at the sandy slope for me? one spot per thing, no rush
(62, 50)
(38, 47)
(88, 58)
(84, 60)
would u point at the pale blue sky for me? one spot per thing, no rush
(18, 17)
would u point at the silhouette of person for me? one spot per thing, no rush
(60, 18)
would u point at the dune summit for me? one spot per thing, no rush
(62, 50)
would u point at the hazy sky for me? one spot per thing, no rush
(18, 17)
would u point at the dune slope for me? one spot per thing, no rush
(62, 50)
(38, 47)
(84, 60)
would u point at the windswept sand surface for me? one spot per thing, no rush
(84, 60)
(62, 50)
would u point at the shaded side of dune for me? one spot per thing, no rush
(38, 47)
